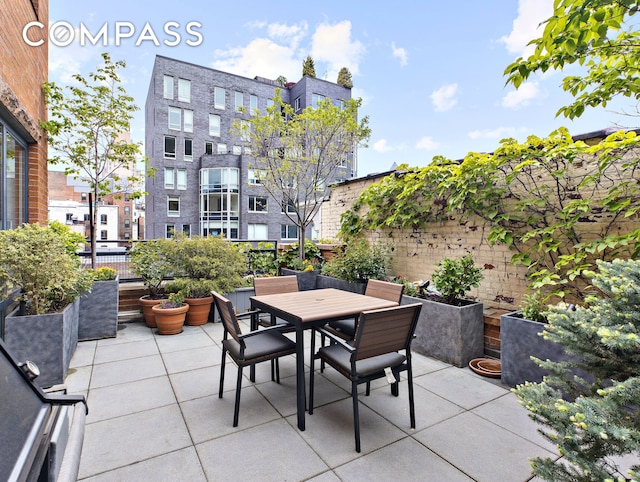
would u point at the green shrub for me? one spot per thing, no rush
(534, 307)
(289, 257)
(36, 260)
(153, 261)
(191, 288)
(359, 261)
(453, 278)
(104, 273)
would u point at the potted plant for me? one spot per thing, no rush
(153, 261)
(197, 294)
(307, 269)
(451, 327)
(40, 273)
(170, 314)
(521, 339)
(98, 315)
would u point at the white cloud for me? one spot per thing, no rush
(382, 146)
(64, 62)
(333, 44)
(427, 144)
(522, 97)
(400, 53)
(526, 26)
(497, 133)
(262, 57)
(292, 34)
(445, 97)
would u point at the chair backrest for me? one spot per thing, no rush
(275, 285)
(385, 290)
(386, 330)
(228, 315)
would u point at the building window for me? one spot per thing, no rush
(69, 217)
(103, 219)
(127, 223)
(214, 125)
(296, 104)
(218, 98)
(257, 204)
(13, 180)
(168, 87)
(127, 235)
(186, 229)
(184, 90)
(173, 205)
(83, 196)
(175, 118)
(237, 150)
(257, 231)
(188, 120)
(315, 100)
(290, 205)
(103, 234)
(222, 149)
(188, 149)
(289, 231)
(208, 148)
(219, 202)
(169, 178)
(181, 182)
(255, 176)
(170, 231)
(342, 163)
(127, 210)
(239, 101)
(169, 147)
(245, 128)
(87, 217)
(253, 105)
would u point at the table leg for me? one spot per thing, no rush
(301, 391)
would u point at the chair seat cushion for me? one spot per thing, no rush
(262, 345)
(346, 327)
(341, 359)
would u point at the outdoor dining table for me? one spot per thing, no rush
(306, 309)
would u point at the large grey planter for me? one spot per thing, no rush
(98, 316)
(48, 340)
(519, 341)
(240, 299)
(329, 282)
(307, 280)
(453, 334)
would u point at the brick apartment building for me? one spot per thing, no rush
(203, 182)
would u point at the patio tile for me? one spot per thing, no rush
(179, 465)
(78, 379)
(114, 373)
(509, 414)
(122, 441)
(460, 386)
(329, 431)
(275, 451)
(127, 398)
(84, 354)
(195, 338)
(186, 360)
(402, 460)
(203, 382)
(128, 332)
(481, 449)
(328, 476)
(212, 417)
(125, 351)
(430, 408)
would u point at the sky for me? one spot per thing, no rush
(429, 73)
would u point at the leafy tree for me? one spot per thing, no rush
(594, 416)
(281, 80)
(86, 123)
(596, 34)
(308, 67)
(300, 153)
(344, 78)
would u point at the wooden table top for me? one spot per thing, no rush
(322, 304)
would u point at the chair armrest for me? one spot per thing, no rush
(245, 314)
(260, 331)
(336, 339)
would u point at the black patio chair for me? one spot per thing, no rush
(271, 286)
(380, 336)
(248, 349)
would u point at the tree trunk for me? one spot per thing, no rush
(301, 230)
(92, 228)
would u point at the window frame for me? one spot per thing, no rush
(188, 123)
(166, 87)
(175, 111)
(169, 178)
(217, 92)
(187, 142)
(169, 156)
(187, 90)
(173, 213)
(215, 132)
(253, 204)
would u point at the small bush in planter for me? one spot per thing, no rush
(534, 307)
(104, 273)
(359, 261)
(289, 257)
(153, 261)
(191, 288)
(35, 260)
(176, 300)
(453, 278)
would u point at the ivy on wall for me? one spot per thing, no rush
(559, 204)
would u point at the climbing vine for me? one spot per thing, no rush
(556, 202)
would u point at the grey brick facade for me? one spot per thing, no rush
(193, 197)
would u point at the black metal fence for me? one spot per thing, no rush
(116, 254)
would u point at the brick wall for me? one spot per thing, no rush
(23, 69)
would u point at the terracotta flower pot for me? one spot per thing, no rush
(199, 309)
(146, 303)
(170, 320)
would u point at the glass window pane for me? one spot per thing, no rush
(188, 149)
(188, 120)
(181, 180)
(214, 125)
(239, 101)
(14, 171)
(175, 118)
(168, 87)
(170, 147)
(168, 178)
(218, 98)
(184, 90)
(253, 105)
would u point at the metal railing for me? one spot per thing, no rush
(116, 254)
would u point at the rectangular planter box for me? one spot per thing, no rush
(240, 299)
(98, 316)
(48, 340)
(307, 280)
(329, 282)
(453, 334)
